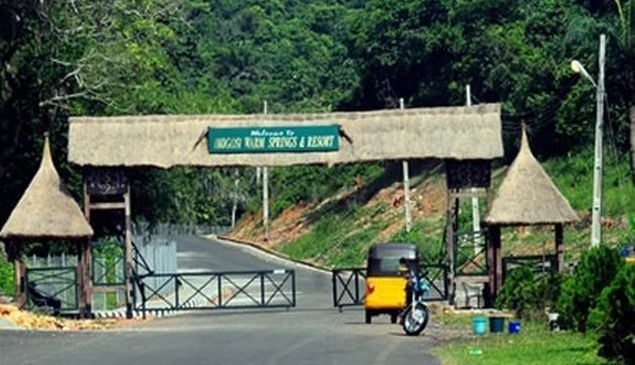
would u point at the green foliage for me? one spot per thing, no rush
(573, 175)
(613, 317)
(424, 234)
(314, 183)
(7, 285)
(581, 291)
(339, 239)
(219, 56)
(535, 345)
(529, 294)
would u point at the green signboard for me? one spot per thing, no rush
(321, 138)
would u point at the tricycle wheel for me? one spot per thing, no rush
(393, 318)
(369, 317)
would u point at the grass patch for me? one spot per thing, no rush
(535, 345)
(574, 177)
(340, 239)
(427, 234)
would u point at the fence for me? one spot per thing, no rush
(158, 255)
(51, 279)
(349, 284)
(168, 229)
(537, 263)
(217, 290)
(51, 288)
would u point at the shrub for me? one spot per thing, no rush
(7, 285)
(527, 293)
(580, 292)
(613, 317)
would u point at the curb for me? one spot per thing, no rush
(268, 251)
(155, 312)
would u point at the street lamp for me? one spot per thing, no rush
(596, 229)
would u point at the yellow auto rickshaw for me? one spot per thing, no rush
(385, 280)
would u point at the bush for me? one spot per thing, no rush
(7, 285)
(580, 292)
(527, 293)
(613, 317)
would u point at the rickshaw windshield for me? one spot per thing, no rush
(383, 259)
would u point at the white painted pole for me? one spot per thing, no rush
(235, 205)
(265, 191)
(406, 185)
(596, 228)
(476, 215)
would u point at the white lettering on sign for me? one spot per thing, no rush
(228, 143)
(255, 142)
(320, 141)
(283, 142)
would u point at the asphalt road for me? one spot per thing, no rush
(312, 333)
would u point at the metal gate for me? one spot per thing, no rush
(537, 263)
(53, 289)
(349, 284)
(346, 287)
(470, 256)
(216, 290)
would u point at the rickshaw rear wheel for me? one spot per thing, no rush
(394, 317)
(369, 317)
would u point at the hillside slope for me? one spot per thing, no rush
(337, 231)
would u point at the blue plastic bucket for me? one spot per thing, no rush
(479, 325)
(514, 327)
(496, 324)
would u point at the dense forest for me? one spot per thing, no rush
(84, 57)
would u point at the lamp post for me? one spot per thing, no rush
(596, 229)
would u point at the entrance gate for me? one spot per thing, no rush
(349, 285)
(216, 290)
(466, 138)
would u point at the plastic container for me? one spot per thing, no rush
(514, 327)
(479, 325)
(496, 324)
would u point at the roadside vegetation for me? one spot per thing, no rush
(337, 230)
(595, 304)
(535, 345)
(7, 285)
(62, 58)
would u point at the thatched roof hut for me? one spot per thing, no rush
(527, 196)
(46, 210)
(165, 141)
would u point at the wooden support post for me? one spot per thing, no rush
(559, 248)
(84, 278)
(81, 281)
(128, 253)
(451, 225)
(13, 253)
(86, 200)
(494, 262)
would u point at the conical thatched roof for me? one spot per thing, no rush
(528, 196)
(46, 210)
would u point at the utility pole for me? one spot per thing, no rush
(265, 191)
(476, 215)
(406, 185)
(596, 229)
(235, 206)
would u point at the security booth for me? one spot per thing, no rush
(47, 213)
(527, 196)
